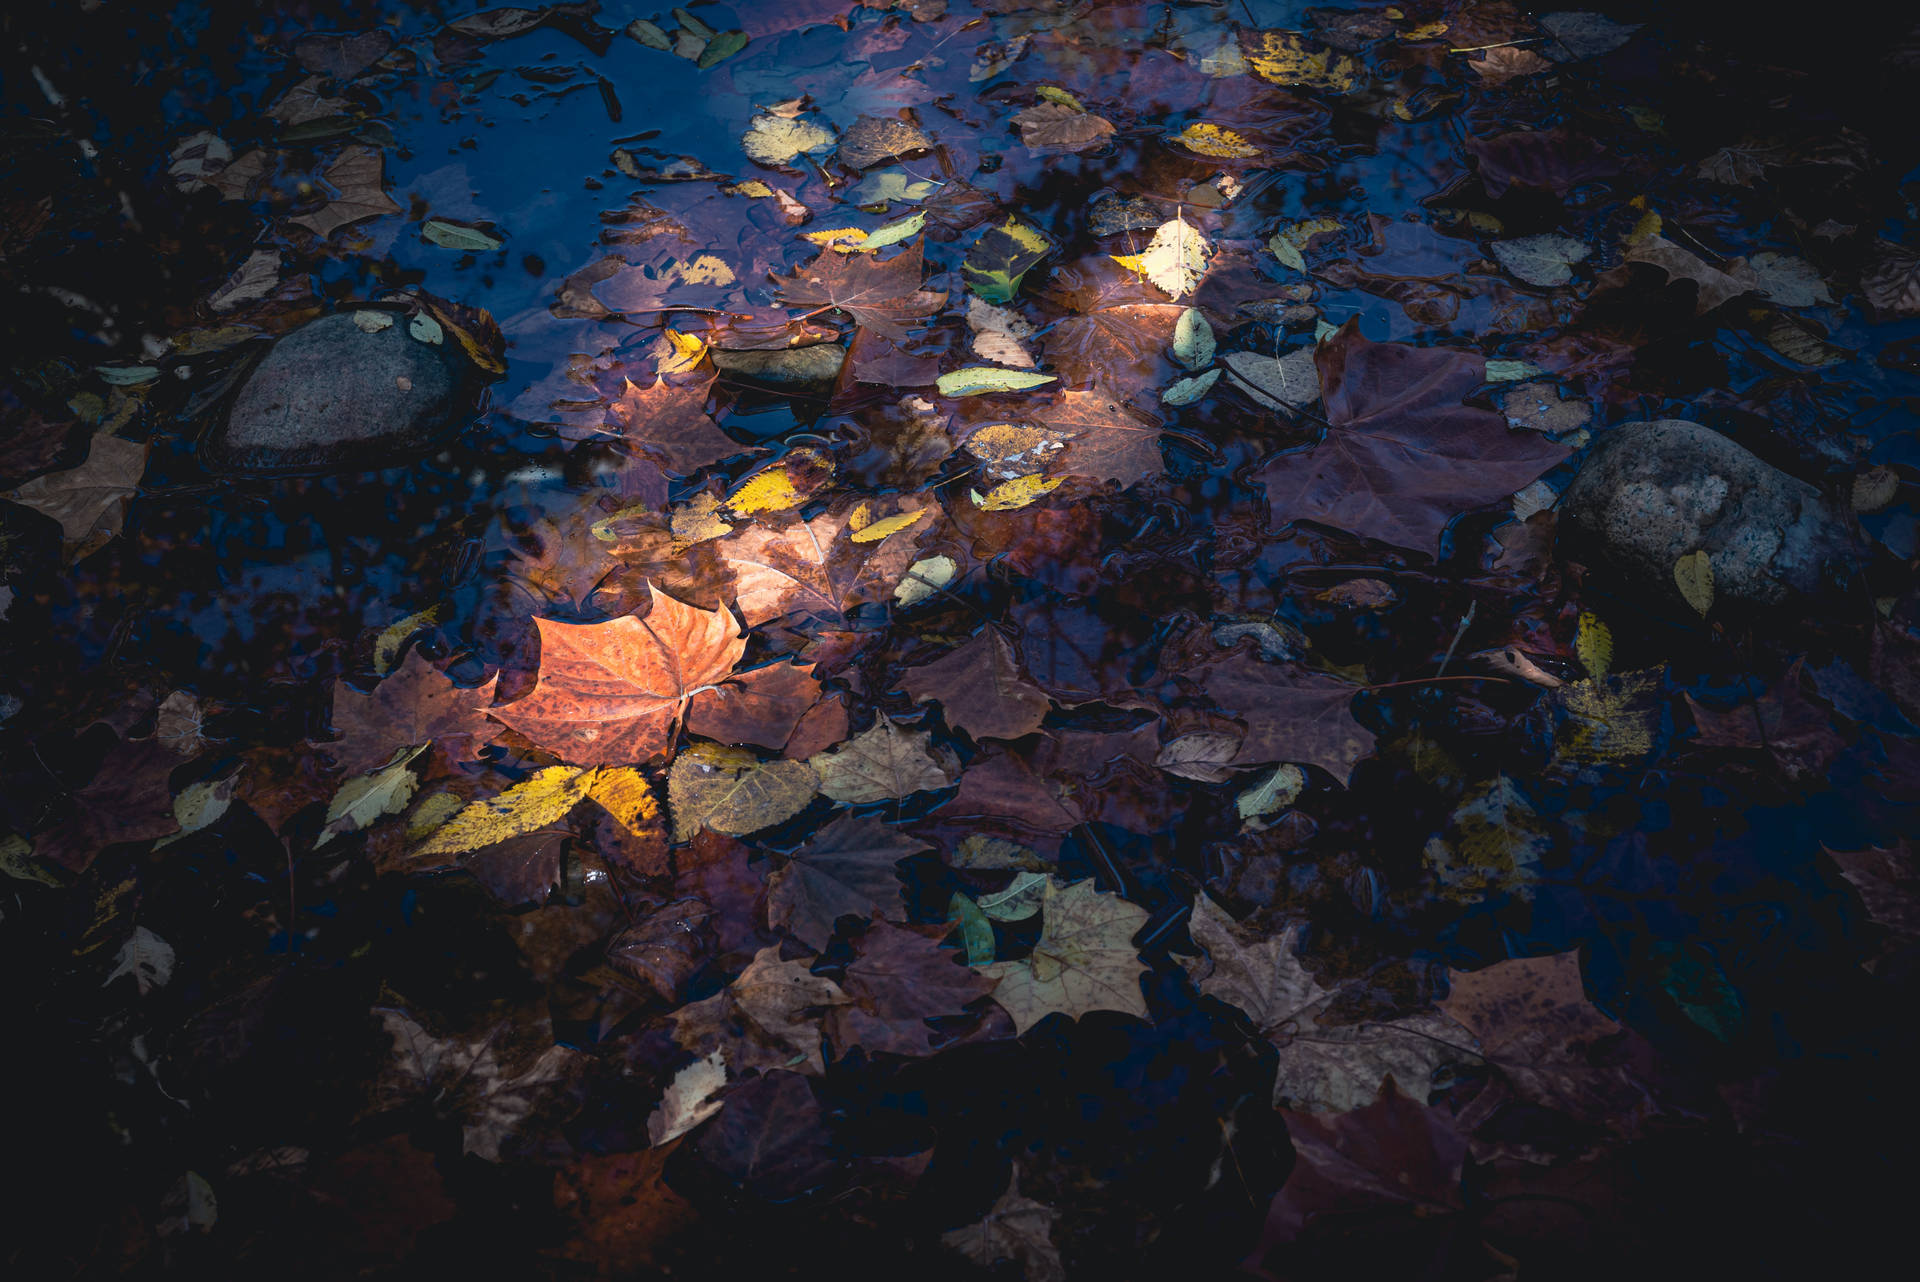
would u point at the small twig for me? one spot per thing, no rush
(1504, 44)
(1459, 632)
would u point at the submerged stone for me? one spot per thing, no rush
(357, 389)
(1651, 493)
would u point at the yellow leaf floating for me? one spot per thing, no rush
(1174, 260)
(1204, 139)
(770, 491)
(1693, 575)
(699, 519)
(1289, 243)
(543, 798)
(1017, 493)
(1593, 644)
(683, 352)
(624, 793)
(878, 530)
(1284, 58)
(1053, 93)
(841, 238)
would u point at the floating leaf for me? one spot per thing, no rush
(1289, 243)
(1545, 260)
(924, 578)
(976, 932)
(689, 1100)
(734, 792)
(883, 764)
(1083, 961)
(1189, 390)
(1693, 575)
(1001, 256)
(1193, 339)
(451, 235)
(978, 380)
(543, 798)
(1215, 141)
(775, 140)
(1017, 493)
(1287, 58)
(1174, 260)
(1054, 128)
(363, 799)
(1593, 645)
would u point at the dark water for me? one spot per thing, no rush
(1695, 883)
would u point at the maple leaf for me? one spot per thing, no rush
(761, 705)
(770, 1017)
(1002, 787)
(884, 763)
(1395, 1152)
(1797, 732)
(900, 978)
(1716, 285)
(358, 176)
(1534, 1023)
(415, 704)
(1121, 343)
(815, 567)
(610, 693)
(1401, 455)
(848, 867)
(128, 799)
(670, 423)
(492, 1082)
(772, 1138)
(1889, 887)
(981, 689)
(1108, 439)
(1083, 961)
(1015, 1228)
(1322, 1068)
(881, 294)
(1291, 714)
(89, 501)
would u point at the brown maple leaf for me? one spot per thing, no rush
(610, 693)
(1127, 342)
(1108, 439)
(670, 423)
(1003, 787)
(899, 978)
(415, 704)
(128, 799)
(881, 294)
(762, 705)
(1402, 456)
(89, 501)
(768, 1018)
(870, 141)
(817, 567)
(848, 867)
(1715, 285)
(981, 689)
(358, 178)
(1291, 714)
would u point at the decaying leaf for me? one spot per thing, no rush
(732, 791)
(1083, 961)
(882, 294)
(1174, 260)
(1053, 128)
(775, 140)
(543, 798)
(1015, 1228)
(689, 1100)
(882, 764)
(981, 689)
(848, 867)
(357, 177)
(89, 501)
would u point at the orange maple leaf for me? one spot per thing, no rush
(610, 693)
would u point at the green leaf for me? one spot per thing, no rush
(722, 46)
(1001, 257)
(1019, 901)
(1511, 371)
(1192, 339)
(893, 233)
(976, 932)
(977, 380)
(1189, 390)
(452, 235)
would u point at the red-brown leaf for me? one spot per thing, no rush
(883, 295)
(671, 424)
(981, 689)
(415, 704)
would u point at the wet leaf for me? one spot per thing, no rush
(981, 689)
(448, 234)
(543, 798)
(1693, 575)
(1053, 128)
(1016, 1229)
(1174, 260)
(899, 979)
(882, 764)
(363, 799)
(1290, 714)
(670, 423)
(1215, 141)
(415, 705)
(1289, 244)
(1193, 339)
(1789, 281)
(1545, 260)
(1288, 58)
(1001, 256)
(690, 1099)
(869, 142)
(1020, 900)
(979, 380)
(145, 957)
(1593, 644)
(610, 693)
(847, 868)
(1402, 455)
(1083, 961)
(1285, 383)
(734, 792)
(775, 140)
(89, 501)
(1188, 390)
(976, 932)
(882, 294)
(357, 177)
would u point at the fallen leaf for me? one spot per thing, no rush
(733, 792)
(1052, 129)
(1083, 961)
(847, 868)
(1283, 383)
(415, 705)
(815, 568)
(689, 1100)
(1402, 455)
(1693, 575)
(610, 693)
(1545, 260)
(1002, 255)
(1175, 259)
(670, 423)
(89, 501)
(978, 380)
(884, 763)
(1107, 439)
(1193, 339)
(1291, 714)
(1539, 408)
(1016, 1229)
(146, 957)
(898, 980)
(981, 689)
(1288, 58)
(1715, 285)
(1323, 1068)
(869, 142)
(1215, 141)
(358, 178)
(362, 800)
(541, 799)
(882, 294)
(775, 140)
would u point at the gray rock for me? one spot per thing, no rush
(342, 392)
(1650, 493)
